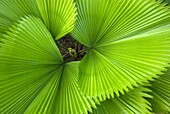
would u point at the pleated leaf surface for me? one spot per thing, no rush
(28, 60)
(133, 102)
(161, 93)
(12, 10)
(128, 43)
(58, 15)
(33, 78)
(69, 99)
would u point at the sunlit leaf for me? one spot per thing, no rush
(161, 93)
(33, 77)
(116, 19)
(12, 10)
(58, 15)
(133, 102)
(28, 62)
(128, 43)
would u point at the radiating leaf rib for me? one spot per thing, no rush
(44, 100)
(131, 57)
(133, 102)
(69, 99)
(120, 65)
(19, 92)
(161, 93)
(33, 40)
(12, 10)
(31, 68)
(58, 15)
(116, 19)
(30, 63)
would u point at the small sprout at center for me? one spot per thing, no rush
(71, 50)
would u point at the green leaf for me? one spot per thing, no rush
(133, 102)
(12, 10)
(116, 19)
(167, 1)
(128, 43)
(33, 78)
(161, 93)
(29, 61)
(59, 16)
(67, 99)
(29, 40)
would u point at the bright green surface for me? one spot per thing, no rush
(133, 102)
(33, 79)
(161, 93)
(128, 44)
(58, 19)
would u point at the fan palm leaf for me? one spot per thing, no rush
(161, 93)
(133, 102)
(33, 76)
(127, 43)
(52, 12)
(12, 10)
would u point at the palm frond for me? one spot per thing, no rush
(12, 10)
(59, 16)
(116, 19)
(29, 61)
(31, 68)
(161, 93)
(67, 99)
(128, 43)
(133, 102)
(28, 58)
(167, 2)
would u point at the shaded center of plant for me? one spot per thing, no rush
(70, 49)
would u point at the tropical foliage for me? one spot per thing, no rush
(124, 70)
(167, 1)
